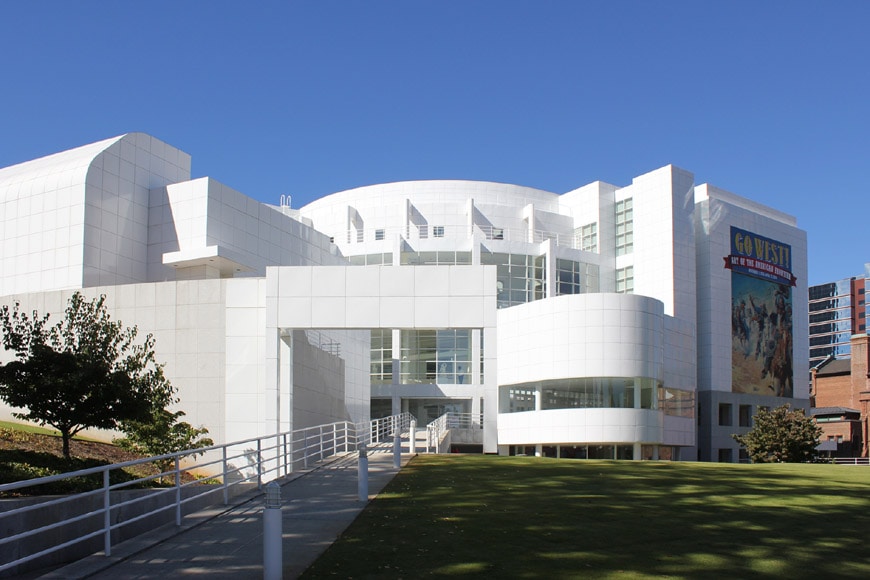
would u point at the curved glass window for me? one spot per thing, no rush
(601, 392)
(586, 392)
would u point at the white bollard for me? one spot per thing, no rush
(397, 450)
(363, 472)
(412, 446)
(272, 556)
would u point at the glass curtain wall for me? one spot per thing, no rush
(435, 356)
(519, 278)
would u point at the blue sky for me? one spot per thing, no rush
(769, 100)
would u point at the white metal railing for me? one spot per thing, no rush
(430, 231)
(438, 431)
(327, 344)
(48, 526)
(851, 460)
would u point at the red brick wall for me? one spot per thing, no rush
(835, 391)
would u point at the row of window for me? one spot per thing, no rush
(580, 451)
(744, 415)
(601, 392)
(586, 235)
(381, 234)
(425, 356)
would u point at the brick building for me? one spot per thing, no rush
(840, 398)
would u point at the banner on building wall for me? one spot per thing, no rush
(761, 315)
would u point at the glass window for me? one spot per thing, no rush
(605, 392)
(385, 258)
(725, 414)
(440, 258)
(436, 356)
(519, 278)
(588, 237)
(379, 234)
(438, 231)
(745, 418)
(677, 402)
(624, 227)
(521, 399)
(625, 280)
(423, 232)
(625, 452)
(382, 356)
(725, 455)
(600, 452)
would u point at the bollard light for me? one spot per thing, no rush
(273, 495)
(272, 533)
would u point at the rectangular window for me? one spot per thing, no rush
(589, 237)
(379, 234)
(624, 227)
(725, 455)
(625, 280)
(725, 414)
(436, 356)
(519, 278)
(497, 233)
(438, 231)
(382, 356)
(423, 232)
(745, 415)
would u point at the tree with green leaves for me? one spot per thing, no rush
(86, 371)
(163, 434)
(782, 435)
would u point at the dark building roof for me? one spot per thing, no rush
(837, 366)
(833, 411)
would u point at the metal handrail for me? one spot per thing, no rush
(439, 429)
(256, 460)
(851, 460)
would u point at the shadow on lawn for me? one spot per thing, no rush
(541, 518)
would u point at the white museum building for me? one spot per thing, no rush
(638, 322)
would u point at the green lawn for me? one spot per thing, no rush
(523, 517)
(28, 428)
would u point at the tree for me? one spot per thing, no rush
(781, 436)
(163, 434)
(85, 371)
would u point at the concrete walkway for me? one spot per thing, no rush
(228, 542)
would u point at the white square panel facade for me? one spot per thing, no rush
(592, 322)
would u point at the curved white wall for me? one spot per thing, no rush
(555, 426)
(582, 335)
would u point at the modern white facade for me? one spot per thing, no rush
(596, 323)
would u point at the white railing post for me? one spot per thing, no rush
(272, 532)
(177, 491)
(259, 464)
(107, 515)
(397, 450)
(320, 458)
(225, 476)
(412, 438)
(363, 474)
(284, 452)
(278, 455)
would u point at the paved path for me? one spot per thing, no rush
(228, 542)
